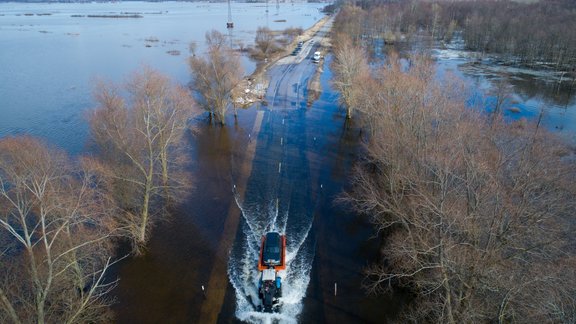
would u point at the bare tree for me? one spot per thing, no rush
(169, 108)
(476, 215)
(138, 145)
(350, 67)
(214, 77)
(538, 35)
(215, 40)
(59, 224)
(192, 48)
(500, 94)
(265, 42)
(293, 32)
(350, 20)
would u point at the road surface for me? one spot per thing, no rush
(290, 75)
(287, 89)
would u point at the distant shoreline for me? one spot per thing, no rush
(104, 1)
(107, 16)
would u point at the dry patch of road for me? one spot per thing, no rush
(253, 88)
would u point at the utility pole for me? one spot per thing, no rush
(229, 24)
(266, 13)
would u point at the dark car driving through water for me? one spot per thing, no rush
(272, 260)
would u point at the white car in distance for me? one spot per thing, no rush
(317, 56)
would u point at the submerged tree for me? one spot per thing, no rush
(138, 144)
(56, 227)
(350, 69)
(475, 214)
(215, 76)
(500, 97)
(265, 42)
(533, 33)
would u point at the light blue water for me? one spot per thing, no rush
(532, 92)
(48, 63)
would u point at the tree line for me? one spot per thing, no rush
(269, 43)
(476, 213)
(62, 218)
(525, 33)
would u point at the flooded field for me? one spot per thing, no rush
(52, 53)
(532, 92)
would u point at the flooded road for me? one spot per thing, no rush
(278, 167)
(281, 193)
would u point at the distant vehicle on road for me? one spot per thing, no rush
(317, 56)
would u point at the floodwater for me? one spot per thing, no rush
(302, 159)
(47, 64)
(52, 53)
(533, 92)
(327, 246)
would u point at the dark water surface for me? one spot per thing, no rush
(164, 286)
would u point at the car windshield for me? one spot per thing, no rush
(272, 247)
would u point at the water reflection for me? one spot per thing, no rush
(165, 284)
(527, 86)
(533, 91)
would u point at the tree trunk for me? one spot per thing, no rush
(448, 296)
(145, 205)
(8, 307)
(164, 159)
(76, 268)
(38, 287)
(221, 116)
